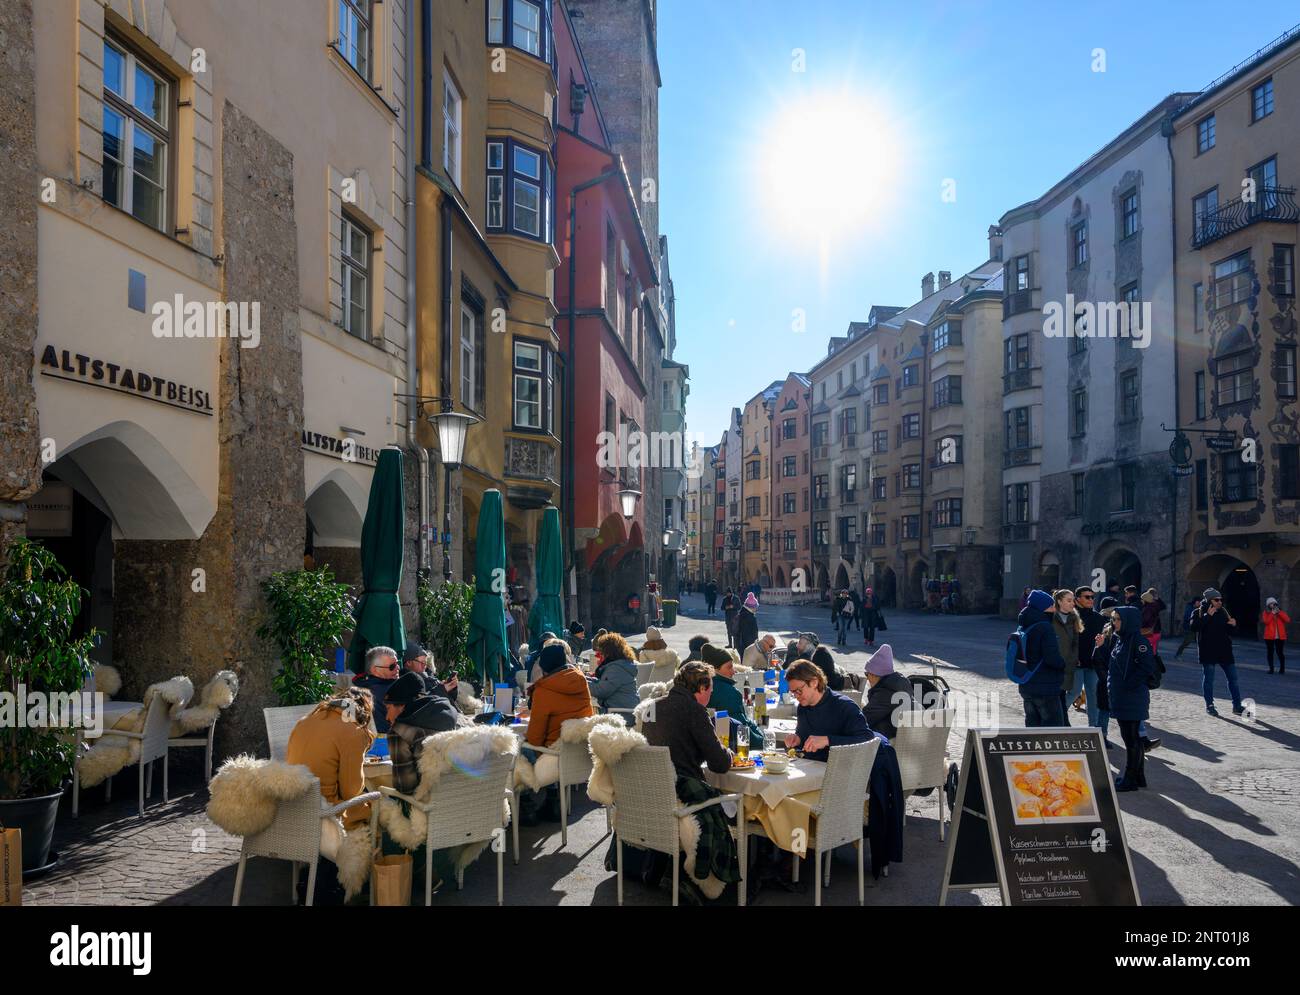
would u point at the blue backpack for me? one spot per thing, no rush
(1017, 663)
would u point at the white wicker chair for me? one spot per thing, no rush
(921, 746)
(279, 724)
(465, 809)
(295, 835)
(838, 812)
(575, 769)
(646, 810)
(153, 746)
(660, 672)
(203, 740)
(853, 696)
(643, 672)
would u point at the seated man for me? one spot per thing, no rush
(381, 673)
(679, 721)
(801, 648)
(416, 660)
(726, 697)
(890, 694)
(695, 645)
(758, 655)
(577, 637)
(825, 660)
(825, 718)
(414, 714)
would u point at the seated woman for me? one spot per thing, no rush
(613, 684)
(332, 742)
(561, 694)
(825, 718)
(656, 651)
(890, 693)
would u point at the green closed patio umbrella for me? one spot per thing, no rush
(487, 620)
(378, 614)
(548, 610)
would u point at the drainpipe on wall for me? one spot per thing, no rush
(412, 310)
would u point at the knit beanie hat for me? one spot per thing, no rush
(715, 656)
(413, 651)
(1041, 600)
(652, 634)
(882, 661)
(751, 602)
(1210, 593)
(552, 658)
(1149, 595)
(697, 643)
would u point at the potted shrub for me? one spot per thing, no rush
(38, 653)
(308, 613)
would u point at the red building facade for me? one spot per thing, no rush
(606, 264)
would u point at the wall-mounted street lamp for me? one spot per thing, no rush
(628, 499)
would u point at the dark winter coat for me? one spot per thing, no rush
(823, 658)
(682, 724)
(1067, 640)
(883, 701)
(1093, 623)
(1213, 634)
(1151, 614)
(1040, 647)
(885, 810)
(836, 718)
(1131, 663)
(746, 630)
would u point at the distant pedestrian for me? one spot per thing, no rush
(747, 624)
(1132, 662)
(856, 598)
(1275, 623)
(1213, 626)
(1131, 597)
(711, 597)
(1152, 606)
(1042, 691)
(1068, 627)
(1189, 635)
(1024, 600)
(842, 616)
(730, 609)
(1093, 623)
(872, 617)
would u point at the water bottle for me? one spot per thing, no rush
(722, 728)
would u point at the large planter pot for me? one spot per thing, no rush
(35, 817)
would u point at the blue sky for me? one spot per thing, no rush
(1001, 98)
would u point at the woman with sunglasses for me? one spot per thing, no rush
(825, 718)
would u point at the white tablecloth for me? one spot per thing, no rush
(114, 712)
(803, 775)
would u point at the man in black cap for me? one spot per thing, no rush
(801, 647)
(577, 637)
(415, 660)
(413, 714)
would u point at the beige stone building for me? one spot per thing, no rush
(756, 486)
(206, 324)
(1235, 229)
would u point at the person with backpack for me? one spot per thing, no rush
(1035, 664)
(1132, 665)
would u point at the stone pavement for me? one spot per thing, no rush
(1217, 825)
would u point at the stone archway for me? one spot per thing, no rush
(780, 576)
(1049, 572)
(841, 578)
(1121, 566)
(915, 581)
(1237, 583)
(886, 588)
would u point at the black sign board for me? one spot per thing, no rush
(1221, 443)
(1036, 816)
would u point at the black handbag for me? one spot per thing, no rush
(1153, 680)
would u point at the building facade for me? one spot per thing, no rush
(791, 501)
(756, 486)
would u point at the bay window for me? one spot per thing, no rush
(521, 24)
(520, 190)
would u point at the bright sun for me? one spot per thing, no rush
(830, 167)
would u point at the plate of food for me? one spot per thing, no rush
(743, 763)
(1051, 789)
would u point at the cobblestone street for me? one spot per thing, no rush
(1217, 824)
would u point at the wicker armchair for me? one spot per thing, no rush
(295, 835)
(838, 812)
(279, 724)
(921, 746)
(153, 746)
(643, 672)
(465, 809)
(575, 769)
(646, 810)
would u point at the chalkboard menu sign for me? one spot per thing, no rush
(1036, 817)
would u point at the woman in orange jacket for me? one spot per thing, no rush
(1275, 623)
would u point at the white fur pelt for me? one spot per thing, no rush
(666, 662)
(656, 690)
(467, 703)
(608, 744)
(547, 769)
(110, 753)
(218, 695)
(107, 680)
(464, 748)
(246, 793)
(647, 702)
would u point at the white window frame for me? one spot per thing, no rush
(518, 34)
(536, 374)
(122, 105)
(468, 354)
(496, 31)
(356, 23)
(351, 264)
(452, 110)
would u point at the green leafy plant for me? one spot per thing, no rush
(308, 614)
(38, 608)
(444, 625)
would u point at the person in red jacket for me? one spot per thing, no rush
(1275, 623)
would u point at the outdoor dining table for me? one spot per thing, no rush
(781, 803)
(378, 773)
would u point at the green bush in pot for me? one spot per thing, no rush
(308, 615)
(39, 606)
(444, 625)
